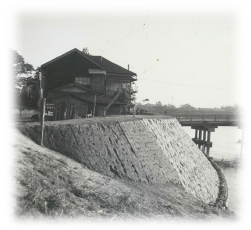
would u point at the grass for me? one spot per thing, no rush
(53, 186)
(47, 196)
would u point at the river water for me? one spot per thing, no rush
(226, 146)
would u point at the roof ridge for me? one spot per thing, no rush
(65, 54)
(115, 65)
(98, 63)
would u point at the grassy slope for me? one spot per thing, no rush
(50, 184)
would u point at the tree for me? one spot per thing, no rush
(158, 103)
(158, 106)
(30, 92)
(187, 107)
(237, 109)
(170, 107)
(127, 96)
(14, 66)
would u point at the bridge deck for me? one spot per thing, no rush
(211, 123)
(212, 120)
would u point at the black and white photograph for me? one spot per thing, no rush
(131, 113)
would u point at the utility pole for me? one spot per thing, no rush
(42, 121)
(41, 86)
(42, 102)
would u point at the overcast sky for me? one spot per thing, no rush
(179, 57)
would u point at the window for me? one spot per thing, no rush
(83, 80)
(114, 86)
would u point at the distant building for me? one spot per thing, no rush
(76, 83)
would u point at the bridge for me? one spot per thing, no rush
(209, 119)
(204, 124)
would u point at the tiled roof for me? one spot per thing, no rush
(84, 97)
(109, 66)
(99, 99)
(101, 62)
(73, 84)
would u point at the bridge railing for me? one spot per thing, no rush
(209, 117)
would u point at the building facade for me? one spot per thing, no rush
(79, 84)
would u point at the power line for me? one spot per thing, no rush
(184, 84)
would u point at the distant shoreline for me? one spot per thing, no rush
(225, 164)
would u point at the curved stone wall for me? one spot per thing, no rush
(154, 151)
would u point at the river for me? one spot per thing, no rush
(226, 146)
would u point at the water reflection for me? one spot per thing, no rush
(243, 157)
(226, 147)
(232, 177)
(245, 151)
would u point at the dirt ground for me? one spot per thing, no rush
(50, 185)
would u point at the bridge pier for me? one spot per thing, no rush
(196, 133)
(207, 123)
(204, 141)
(244, 128)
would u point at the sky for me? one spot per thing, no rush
(179, 56)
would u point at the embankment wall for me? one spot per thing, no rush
(154, 151)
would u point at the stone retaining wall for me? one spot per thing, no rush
(155, 151)
(222, 198)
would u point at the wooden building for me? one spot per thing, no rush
(79, 84)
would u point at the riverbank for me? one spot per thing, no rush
(228, 164)
(52, 185)
(226, 152)
(155, 150)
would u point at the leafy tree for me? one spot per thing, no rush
(187, 107)
(158, 103)
(14, 66)
(234, 108)
(30, 92)
(127, 96)
(170, 107)
(238, 109)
